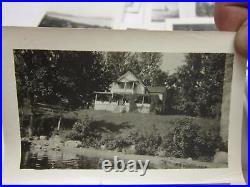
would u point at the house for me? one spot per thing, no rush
(128, 84)
(127, 94)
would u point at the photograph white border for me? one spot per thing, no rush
(110, 40)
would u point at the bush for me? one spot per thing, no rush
(189, 140)
(148, 144)
(119, 142)
(81, 131)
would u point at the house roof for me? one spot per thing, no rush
(130, 77)
(157, 89)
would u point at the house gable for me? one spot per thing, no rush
(128, 77)
(128, 83)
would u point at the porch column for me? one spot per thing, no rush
(133, 87)
(125, 84)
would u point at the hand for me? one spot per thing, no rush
(234, 17)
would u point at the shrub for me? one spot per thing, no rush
(148, 144)
(119, 142)
(209, 140)
(189, 140)
(82, 131)
(79, 131)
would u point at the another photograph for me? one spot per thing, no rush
(78, 108)
(54, 19)
(194, 27)
(205, 9)
(163, 10)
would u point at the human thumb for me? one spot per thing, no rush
(241, 39)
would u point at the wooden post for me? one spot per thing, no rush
(59, 123)
(31, 120)
(95, 97)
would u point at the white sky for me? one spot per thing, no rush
(170, 61)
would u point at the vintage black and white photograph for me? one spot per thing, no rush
(55, 19)
(204, 9)
(194, 27)
(163, 10)
(78, 108)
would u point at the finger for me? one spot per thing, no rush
(230, 16)
(241, 40)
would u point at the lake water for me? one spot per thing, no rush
(57, 160)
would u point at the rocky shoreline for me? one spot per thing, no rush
(55, 148)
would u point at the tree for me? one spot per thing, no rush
(199, 85)
(58, 77)
(145, 65)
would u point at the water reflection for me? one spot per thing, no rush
(57, 160)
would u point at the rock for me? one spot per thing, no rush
(46, 144)
(56, 146)
(73, 144)
(129, 150)
(118, 149)
(103, 147)
(189, 159)
(161, 153)
(34, 138)
(132, 149)
(43, 137)
(221, 157)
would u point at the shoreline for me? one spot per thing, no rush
(43, 147)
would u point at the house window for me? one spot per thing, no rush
(147, 99)
(121, 84)
(139, 99)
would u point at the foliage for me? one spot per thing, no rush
(145, 144)
(189, 140)
(58, 77)
(69, 78)
(82, 131)
(148, 144)
(119, 142)
(196, 88)
(146, 66)
(186, 139)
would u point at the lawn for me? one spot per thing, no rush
(117, 123)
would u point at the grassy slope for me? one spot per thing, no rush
(123, 122)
